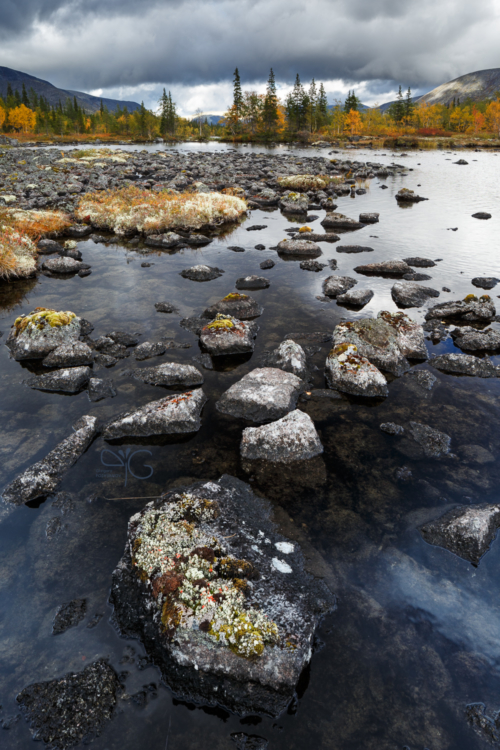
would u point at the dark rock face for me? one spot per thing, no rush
(69, 615)
(43, 477)
(69, 380)
(253, 587)
(385, 268)
(335, 285)
(471, 309)
(239, 306)
(227, 335)
(481, 215)
(464, 364)
(410, 294)
(252, 282)
(291, 438)
(63, 712)
(465, 531)
(170, 373)
(470, 339)
(353, 249)
(485, 282)
(263, 394)
(172, 415)
(201, 273)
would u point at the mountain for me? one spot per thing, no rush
(384, 107)
(211, 119)
(483, 84)
(54, 95)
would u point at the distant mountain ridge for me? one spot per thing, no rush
(483, 84)
(55, 95)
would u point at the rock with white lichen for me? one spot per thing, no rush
(67, 380)
(262, 394)
(70, 355)
(471, 308)
(169, 416)
(465, 364)
(291, 438)
(336, 285)
(35, 335)
(466, 531)
(339, 221)
(170, 374)
(227, 335)
(289, 356)
(299, 248)
(42, 478)
(201, 273)
(348, 371)
(219, 599)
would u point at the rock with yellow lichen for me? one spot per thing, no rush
(219, 599)
(241, 306)
(228, 335)
(349, 372)
(35, 335)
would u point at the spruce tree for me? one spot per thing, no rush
(397, 108)
(351, 102)
(322, 106)
(24, 97)
(300, 104)
(313, 105)
(270, 112)
(237, 94)
(409, 106)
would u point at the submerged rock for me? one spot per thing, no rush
(289, 356)
(69, 380)
(240, 306)
(291, 438)
(42, 478)
(411, 294)
(35, 335)
(170, 373)
(384, 268)
(201, 273)
(471, 308)
(69, 615)
(433, 443)
(339, 221)
(70, 355)
(299, 248)
(252, 282)
(465, 531)
(335, 285)
(262, 394)
(470, 339)
(355, 297)
(100, 388)
(247, 645)
(65, 711)
(464, 364)
(228, 335)
(348, 371)
(165, 307)
(171, 415)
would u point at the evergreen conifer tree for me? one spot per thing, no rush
(322, 106)
(270, 111)
(237, 93)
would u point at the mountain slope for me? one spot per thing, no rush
(54, 95)
(483, 84)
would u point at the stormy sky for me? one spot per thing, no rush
(131, 49)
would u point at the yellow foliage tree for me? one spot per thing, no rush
(3, 116)
(22, 118)
(352, 122)
(493, 116)
(460, 119)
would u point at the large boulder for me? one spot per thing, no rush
(291, 438)
(67, 380)
(335, 285)
(470, 339)
(471, 309)
(227, 335)
(299, 248)
(355, 297)
(465, 364)
(294, 203)
(465, 531)
(228, 616)
(42, 478)
(70, 355)
(348, 371)
(411, 294)
(339, 221)
(240, 306)
(171, 374)
(172, 415)
(35, 335)
(264, 394)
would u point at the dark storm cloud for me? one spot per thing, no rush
(93, 44)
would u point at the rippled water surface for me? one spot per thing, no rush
(416, 635)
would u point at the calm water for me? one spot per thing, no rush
(416, 635)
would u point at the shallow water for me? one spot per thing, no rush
(416, 634)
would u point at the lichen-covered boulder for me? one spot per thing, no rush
(411, 294)
(348, 371)
(467, 531)
(294, 203)
(263, 394)
(384, 268)
(173, 415)
(73, 354)
(470, 308)
(35, 335)
(289, 356)
(339, 221)
(67, 380)
(335, 285)
(240, 306)
(219, 599)
(170, 374)
(299, 248)
(201, 273)
(470, 339)
(228, 335)
(291, 438)
(465, 364)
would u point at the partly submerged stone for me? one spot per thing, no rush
(384, 268)
(240, 306)
(346, 370)
(171, 415)
(201, 273)
(170, 373)
(353, 249)
(335, 285)
(355, 297)
(472, 339)
(291, 438)
(485, 282)
(467, 531)
(289, 356)
(405, 195)
(263, 394)
(315, 237)
(428, 442)
(68, 615)
(100, 388)
(35, 335)
(312, 265)
(294, 203)
(149, 349)
(420, 262)
(219, 599)
(339, 221)
(68, 380)
(167, 240)
(165, 307)
(65, 711)
(228, 335)
(252, 282)
(471, 309)
(70, 355)
(464, 364)
(62, 265)
(42, 478)
(299, 248)
(481, 215)
(369, 218)
(411, 294)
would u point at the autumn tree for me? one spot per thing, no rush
(493, 116)
(3, 116)
(353, 123)
(22, 118)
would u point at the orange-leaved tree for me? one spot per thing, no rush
(22, 118)
(352, 122)
(3, 116)
(493, 116)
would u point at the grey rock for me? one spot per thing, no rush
(107, 345)
(240, 306)
(294, 203)
(339, 221)
(435, 444)
(353, 249)
(149, 349)
(485, 282)
(419, 262)
(335, 285)
(299, 248)
(391, 428)
(414, 276)
(289, 356)
(422, 378)
(105, 360)
(70, 355)
(49, 247)
(465, 531)
(62, 265)
(123, 338)
(252, 282)
(232, 337)
(197, 240)
(68, 615)
(291, 438)
(470, 339)
(355, 297)
(100, 388)
(201, 273)
(172, 415)
(43, 477)
(68, 380)
(409, 196)
(236, 249)
(410, 294)
(263, 394)
(470, 309)
(312, 265)
(165, 307)
(385, 268)
(79, 230)
(315, 237)
(267, 264)
(369, 218)
(481, 215)
(170, 373)
(464, 364)
(167, 240)
(39, 339)
(476, 454)
(346, 370)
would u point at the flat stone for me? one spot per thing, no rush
(481, 215)
(419, 262)
(165, 307)
(353, 249)
(291, 438)
(49, 247)
(201, 273)
(171, 415)
(236, 249)
(170, 373)
(100, 388)
(335, 285)
(70, 355)
(281, 604)
(467, 531)
(149, 349)
(470, 309)
(470, 339)
(312, 265)
(263, 394)
(62, 265)
(289, 356)
(256, 227)
(167, 240)
(339, 221)
(68, 615)
(299, 248)
(391, 428)
(385, 268)
(315, 237)
(485, 282)
(252, 282)
(65, 711)
(464, 364)
(107, 345)
(42, 478)
(39, 337)
(68, 380)
(369, 218)
(239, 306)
(346, 370)
(413, 276)
(411, 294)
(355, 297)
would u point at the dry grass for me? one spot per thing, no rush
(17, 254)
(35, 224)
(307, 181)
(132, 209)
